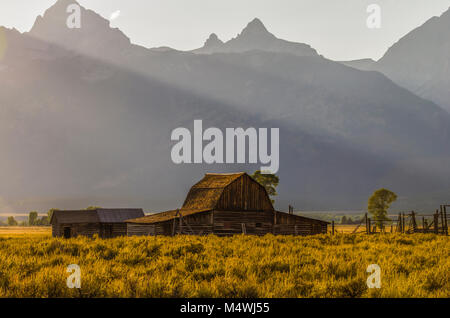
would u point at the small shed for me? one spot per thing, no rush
(225, 204)
(106, 223)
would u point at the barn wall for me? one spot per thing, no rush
(140, 229)
(199, 224)
(55, 230)
(119, 229)
(289, 224)
(109, 230)
(244, 194)
(230, 222)
(225, 223)
(161, 228)
(89, 229)
(86, 229)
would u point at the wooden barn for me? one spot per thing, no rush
(104, 222)
(225, 204)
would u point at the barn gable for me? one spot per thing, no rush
(244, 194)
(223, 191)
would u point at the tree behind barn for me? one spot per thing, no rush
(379, 203)
(268, 181)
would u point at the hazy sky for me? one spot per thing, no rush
(337, 29)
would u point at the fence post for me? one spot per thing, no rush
(368, 226)
(401, 222)
(414, 224)
(436, 222)
(445, 220)
(423, 225)
(404, 224)
(332, 227)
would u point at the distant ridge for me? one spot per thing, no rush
(420, 61)
(255, 36)
(362, 64)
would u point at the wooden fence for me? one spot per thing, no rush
(405, 222)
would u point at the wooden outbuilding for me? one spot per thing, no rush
(225, 204)
(106, 223)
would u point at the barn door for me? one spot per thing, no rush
(67, 232)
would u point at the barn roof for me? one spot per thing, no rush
(303, 217)
(165, 216)
(75, 216)
(205, 193)
(96, 216)
(202, 197)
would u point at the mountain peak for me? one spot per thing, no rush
(255, 27)
(94, 37)
(213, 40)
(255, 36)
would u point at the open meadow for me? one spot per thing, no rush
(35, 265)
(25, 231)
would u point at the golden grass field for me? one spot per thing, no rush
(46, 230)
(32, 264)
(17, 231)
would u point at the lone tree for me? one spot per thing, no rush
(379, 203)
(268, 181)
(12, 221)
(33, 218)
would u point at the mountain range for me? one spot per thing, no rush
(255, 36)
(419, 61)
(86, 119)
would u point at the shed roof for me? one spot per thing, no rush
(302, 217)
(96, 216)
(165, 216)
(75, 216)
